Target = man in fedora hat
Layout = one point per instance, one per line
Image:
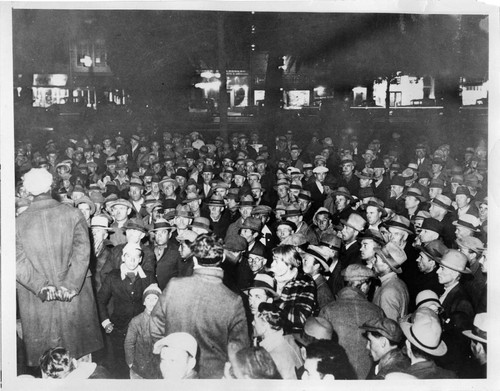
(193, 200)
(370, 240)
(245, 208)
(262, 290)
(478, 344)
(380, 182)
(135, 232)
(349, 311)
(315, 262)
(414, 200)
(374, 210)
(166, 252)
(396, 201)
(219, 217)
(294, 214)
(343, 201)
(392, 294)
(120, 210)
(384, 346)
(424, 344)
(441, 209)
(476, 286)
(316, 187)
(350, 250)
(101, 248)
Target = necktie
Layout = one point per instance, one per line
(131, 275)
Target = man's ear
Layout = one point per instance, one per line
(303, 353)
(129, 210)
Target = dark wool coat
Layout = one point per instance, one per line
(53, 248)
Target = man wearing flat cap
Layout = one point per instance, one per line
(349, 311)
(384, 345)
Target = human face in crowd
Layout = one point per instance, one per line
(257, 193)
(397, 236)
(462, 232)
(155, 187)
(379, 266)
(158, 212)
(255, 297)
(120, 212)
(246, 211)
(283, 232)
(252, 179)
(168, 189)
(436, 211)
(260, 326)
(155, 146)
(227, 177)
(294, 194)
(106, 143)
(367, 249)
(232, 203)
(347, 169)
(436, 168)
(189, 162)
(175, 363)
(320, 176)
(247, 234)
(150, 302)
(181, 181)
(341, 202)
(256, 263)
(373, 215)
(411, 202)
(347, 233)
(425, 264)
(184, 249)
(215, 211)
(169, 165)
(420, 153)
(294, 153)
(483, 261)
(250, 167)
(122, 172)
(424, 181)
(282, 191)
(378, 172)
(181, 222)
(396, 191)
(453, 187)
(310, 265)
(162, 236)
(240, 165)
(303, 204)
(239, 180)
(427, 236)
(85, 209)
(364, 182)
(261, 167)
(207, 177)
(135, 193)
(447, 276)
(462, 200)
(323, 221)
(132, 259)
(98, 236)
(483, 212)
(375, 346)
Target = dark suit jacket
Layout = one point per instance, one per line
(127, 297)
(317, 197)
(349, 256)
(167, 265)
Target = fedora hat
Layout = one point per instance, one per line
(317, 327)
(468, 221)
(398, 180)
(400, 222)
(366, 173)
(377, 203)
(455, 260)
(247, 200)
(372, 234)
(136, 182)
(135, 223)
(161, 224)
(331, 241)
(415, 192)
(355, 221)
(201, 222)
(282, 182)
(319, 254)
(425, 332)
(366, 192)
(442, 201)
(320, 169)
(479, 328)
(252, 223)
(292, 210)
(120, 201)
(435, 249)
(426, 298)
(191, 196)
(183, 211)
(262, 210)
(343, 191)
(392, 255)
(305, 195)
(471, 243)
(263, 281)
(216, 200)
(100, 222)
(167, 179)
(431, 224)
(387, 327)
(188, 235)
(286, 222)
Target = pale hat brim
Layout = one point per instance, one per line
(438, 351)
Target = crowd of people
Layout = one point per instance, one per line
(178, 258)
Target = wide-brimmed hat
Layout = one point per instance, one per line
(247, 200)
(201, 222)
(442, 201)
(317, 327)
(264, 281)
(343, 191)
(135, 223)
(366, 173)
(120, 201)
(425, 332)
(319, 254)
(166, 179)
(435, 249)
(377, 203)
(305, 195)
(216, 200)
(392, 255)
(281, 182)
(331, 241)
(355, 221)
(386, 327)
(188, 235)
(291, 224)
(100, 222)
(161, 224)
(400, 222)
(372, 234)
(86, 200)
(468, 221)
(136, 182)
(262, 210)
(471, 243)
(292, 210)
(426, 298)
(320, 169)
(431, 224)
(179, 340)
(455, 260)
(479, 328)
(252, 223)
(398, 180)
(414, 192)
